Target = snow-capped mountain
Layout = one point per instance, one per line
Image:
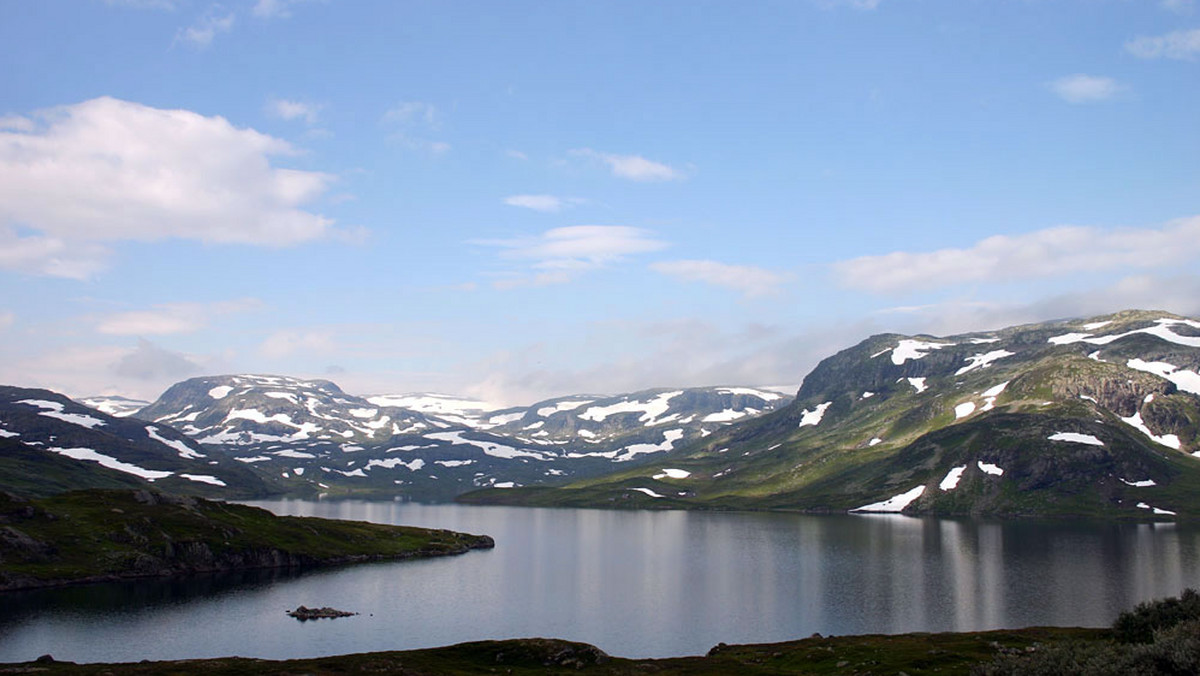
(41, 428)
(116, 406)
(1097, 416)
(312, 435)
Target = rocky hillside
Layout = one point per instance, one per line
(315, 438)
(1089, 417)
(50, 443)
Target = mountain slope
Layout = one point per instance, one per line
(52, 443)
(1082, 417)
(313, 437)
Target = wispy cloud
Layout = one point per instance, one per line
(1044, 253)
(632, 167)
(559, 255)
(285, 109)
(412, 121)
(287, 343)
(546, 203)
(1081, 88)
(172, 318)
(211, 24)
(1182, 45)
(748, 279)
(109, 170)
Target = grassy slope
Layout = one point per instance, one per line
(90, 535)
(913, 654)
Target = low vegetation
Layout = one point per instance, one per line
(96, 535)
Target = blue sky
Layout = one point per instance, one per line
(520, 200)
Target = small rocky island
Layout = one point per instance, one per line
(304, 613)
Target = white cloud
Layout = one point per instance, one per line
(202, 33)
(275, 9)
(152, 363)
(107, 170)
(287, 343)
(1081, 88)
(1183, 45)
(1043, 253)
(546, 203)
(171, 318)
(1178, 6)
(15, 123)
(633, 167)
(750, 280)
(291, 110)
(412, 113)
(516, 154)
(579, 246)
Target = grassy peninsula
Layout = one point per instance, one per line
(104, 535)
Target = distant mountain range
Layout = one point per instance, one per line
(1095, 417)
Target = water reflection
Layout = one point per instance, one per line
(634, 583)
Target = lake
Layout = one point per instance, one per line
(634, 583)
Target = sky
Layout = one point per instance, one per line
(518, 200)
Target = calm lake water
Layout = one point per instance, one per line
(636, 584)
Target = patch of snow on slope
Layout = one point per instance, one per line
(875, 442)
(918, 384)
(454, 463)
(205, 479)
(761, 394)
(220, 391)
(1188, 381)
(963, 410)
(649, 492)
(650, 410)
(668, 443)
(914, 349)
(1096, 325)
(673, 474)
(813, 417)
(1168, 440)
(297, 455)
(727, 415)
(989, 396)
(179, 447)
(5, 434)
(984, 341)
(253, 459)
(287, 396)
(489, 448)
(1145, 483)
(391, 463)
(1076, 437)
(364, 413)
(547, 411)
(989, 468)
(1161, 329)
(110, 462)
(893, 504)
(1142, 505)
(952, 477)
(53, 409)
(982, 361)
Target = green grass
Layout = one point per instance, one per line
(101, 534)
(914, 654)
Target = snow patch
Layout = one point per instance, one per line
(952, 477)
(1076, 437)
(673, 474)
(220, 391)
(650, 410)
(391, 463)
(918, 384)
(1188, 381)
(895, 503)
(488, 447)
(989, 468)
(963, 410)
(212, 480)
(875, 442)
(914, 349)
(649, 492)
(179, 447)
(982, 361)
(813, 417)
(1165, 512)
(547, 411)
(54, 409)
(1168, 440)
(1144, 483)
(110, 462)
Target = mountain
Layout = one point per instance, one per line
(313, 437)
(1096, 417)
(50, 443)
(119, 407)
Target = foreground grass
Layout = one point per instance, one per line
(95, 535)
(913, 654)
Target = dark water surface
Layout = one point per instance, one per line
(636, 584)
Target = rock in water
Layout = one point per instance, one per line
(303, 613)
